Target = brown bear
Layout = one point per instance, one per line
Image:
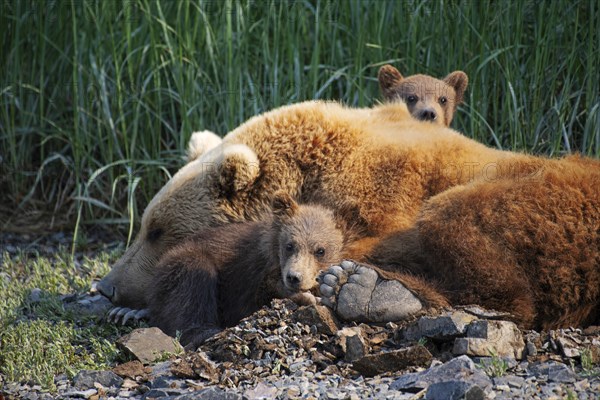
(398, 171)
(427, 98)
(225, 273)
(525, 245)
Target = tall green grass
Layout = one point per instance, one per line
(98, 98)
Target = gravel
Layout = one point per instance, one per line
(275, 354)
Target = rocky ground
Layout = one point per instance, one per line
(286, 351)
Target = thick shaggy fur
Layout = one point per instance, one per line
(526, 245)
(438, 207)
(226, 273)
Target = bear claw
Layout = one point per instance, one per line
(357, 293)
(126, 314)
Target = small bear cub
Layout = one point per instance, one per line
(226, 273)
(427, 98)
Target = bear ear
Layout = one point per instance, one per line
(284, 206)
(237, 168)
(459, 81)
(200, 143)
(389, 77)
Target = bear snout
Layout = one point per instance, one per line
(293, 280)
(427, 114)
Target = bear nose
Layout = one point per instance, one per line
(106, 289)
(427, 115)
(294, 279)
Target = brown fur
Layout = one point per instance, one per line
(427, 98)
(481, 219)
(225, 273)
(526, 245)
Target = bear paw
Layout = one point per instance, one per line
(357, 293)
(127, 313)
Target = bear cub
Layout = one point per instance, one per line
(427, 98)
(226, 273)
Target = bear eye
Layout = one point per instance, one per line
(155, 234)
(290, 247)
(320, 252)
(443, 100)
(411, 99)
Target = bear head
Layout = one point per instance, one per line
(427, 98)
(309, 238)
(203, 193)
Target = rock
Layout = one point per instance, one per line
(320, 316)
(86, 394)
(36, 295)
(90, 305)
(482, 313)
(553, 371)
(260, 392)
(133, 369)
(568, 347)
(210, 394)
(510, 380)
(155, 394)
(375, 364)
(451, 390)
(86, 379)
(196, 365)
(460, 368)
(487, 338)
(148, 344)
(353, 343)
(446, 326)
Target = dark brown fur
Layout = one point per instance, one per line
(226, 273)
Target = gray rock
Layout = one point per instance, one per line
(531, 349)
(460, 368)
(451, 390)
(85, 379)
(446, 326)
(94, 305)
(568, 347)
(85, 394)
(260, 392)
(554, 372)
(148, 344)
(510, 380)
(353, 343)
(210, 394)
(155, 393)
(375, 364)
(36, 295)
(486, 338)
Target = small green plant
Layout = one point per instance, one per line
(422, 341)
(571, 394)
(495, 366)
(587, 363)
(586, 360)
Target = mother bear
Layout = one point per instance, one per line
(444, 213)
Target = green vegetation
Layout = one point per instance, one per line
(494, 366)
(98, 98)
(39, 338)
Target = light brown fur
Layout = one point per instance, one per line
(427, 98)
(454, 199)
